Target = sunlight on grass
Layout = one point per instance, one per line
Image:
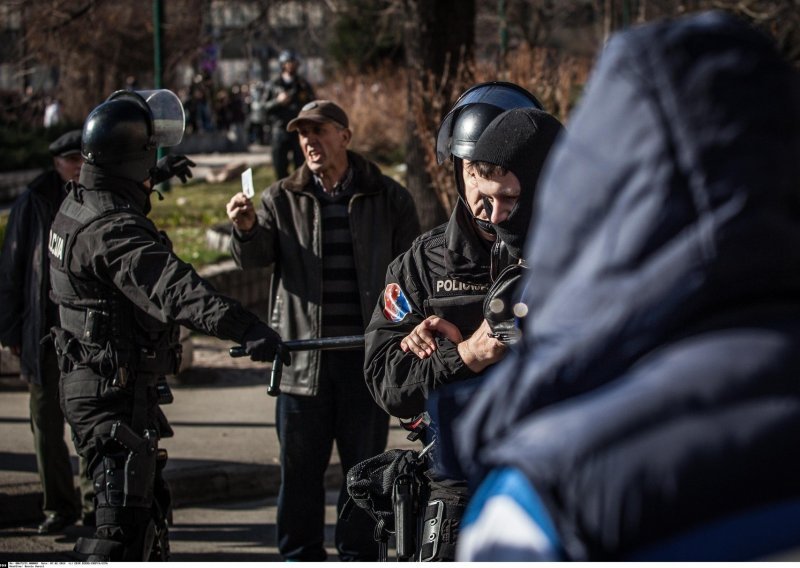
(187, 211)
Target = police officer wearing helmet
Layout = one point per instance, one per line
(285, 96)
(434, 298)
(121, 293)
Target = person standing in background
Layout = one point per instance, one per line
(285, 96)
(27, 316)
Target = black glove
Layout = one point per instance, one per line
(261, 342)
(170, 166)
(498, 304)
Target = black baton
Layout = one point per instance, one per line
(323, 343)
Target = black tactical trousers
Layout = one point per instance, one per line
(111, 424)
(441, 519)
(285, 143)
(128, 529)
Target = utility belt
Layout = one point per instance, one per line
(123, 367)
(84, 330)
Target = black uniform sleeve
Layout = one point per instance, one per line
(401, 382)
(15, 256)
(130, 255)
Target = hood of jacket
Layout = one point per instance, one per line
(95, 179)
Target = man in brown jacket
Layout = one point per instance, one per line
(330, 230)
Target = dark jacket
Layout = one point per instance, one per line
(656, 386)
(24, 276)
(383, 223)
(120, 253)
(300, 93)
(446, 272)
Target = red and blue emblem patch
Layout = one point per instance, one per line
(395, 304)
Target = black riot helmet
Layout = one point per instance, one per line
(473, 111)
(460, 129)
(122, 135)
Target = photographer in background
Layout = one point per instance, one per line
(285, 96)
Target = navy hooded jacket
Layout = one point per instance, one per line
(657, 385)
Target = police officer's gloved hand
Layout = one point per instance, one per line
(261, 342)
(171, 166)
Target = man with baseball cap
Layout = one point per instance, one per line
(27, 316)
(330, 230)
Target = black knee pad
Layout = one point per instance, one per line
(109, 480)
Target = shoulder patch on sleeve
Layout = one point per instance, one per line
(395, 304)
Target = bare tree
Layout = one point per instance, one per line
(438, 39)
(95, 45)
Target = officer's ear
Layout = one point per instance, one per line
(346, 135)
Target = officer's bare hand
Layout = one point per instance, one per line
(422, 339)
(241, 212)
(481, 350)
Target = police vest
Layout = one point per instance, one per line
(100, 327)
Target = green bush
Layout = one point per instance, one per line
(26, 149)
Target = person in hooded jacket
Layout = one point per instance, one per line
(445, 276)
(655, 387)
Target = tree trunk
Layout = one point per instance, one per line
(438, 38)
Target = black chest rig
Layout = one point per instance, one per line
(101, 328)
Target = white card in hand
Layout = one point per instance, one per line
(247, 183)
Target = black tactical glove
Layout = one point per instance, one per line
(171, 166)
(498, 305)
(261, 342)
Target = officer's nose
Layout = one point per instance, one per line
(499, 214)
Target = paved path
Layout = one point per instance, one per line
(225, 447)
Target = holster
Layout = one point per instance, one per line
(140, 463)
(405, 516)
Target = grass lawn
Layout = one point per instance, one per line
(187, 211)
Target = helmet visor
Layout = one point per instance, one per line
(502, 95)
(168, 116)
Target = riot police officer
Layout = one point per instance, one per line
(121, 294)
(440, 284)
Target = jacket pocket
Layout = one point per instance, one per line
(88, 401)
(466, 312)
